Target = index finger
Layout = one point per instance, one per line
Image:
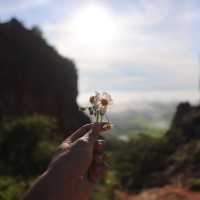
(95, 127)
(80, 132)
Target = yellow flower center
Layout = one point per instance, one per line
(104, 102)
(107, 126)
(92, 98)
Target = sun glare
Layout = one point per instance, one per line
(93, 26)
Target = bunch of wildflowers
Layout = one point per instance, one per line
(99, 104)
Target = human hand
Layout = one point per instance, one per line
(76, 167)
(74, 170)
(79, 163)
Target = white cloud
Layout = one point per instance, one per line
(153, 50)
(152, 37)
(108, 82)
(20, 5)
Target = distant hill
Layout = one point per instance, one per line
(185, 123)
(151, 118)
(145, 162)
(34, 78)
(183, 138)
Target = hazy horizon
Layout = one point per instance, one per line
(136, 100)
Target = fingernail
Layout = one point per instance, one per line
(99, 170)
(99, 159)
(107, 126)
(107, 157)
(100, 144)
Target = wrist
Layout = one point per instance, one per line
(69, 186)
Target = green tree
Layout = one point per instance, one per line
(26, 145)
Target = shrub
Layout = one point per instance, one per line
(11, 188)
(26, 145)
(139, 163)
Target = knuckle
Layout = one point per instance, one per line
(83, 146)
(82, 142)
(86, 126)
(63, 147)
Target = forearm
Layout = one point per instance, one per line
(49, 186)
(67, 175)
(41, 189)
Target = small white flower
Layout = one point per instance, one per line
(103, 110)
(100, 103)
(106, 99)
(95, 100)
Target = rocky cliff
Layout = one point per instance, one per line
(34, 78)
(185, 124)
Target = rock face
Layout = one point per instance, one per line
(34, 78)
(165, 193)
(185, 123)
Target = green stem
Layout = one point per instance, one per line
(97, 117)
(101, 118)
(107, 118)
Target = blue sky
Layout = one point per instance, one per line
(136, 47)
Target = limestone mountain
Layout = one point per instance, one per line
(185, 124)
(34, 78)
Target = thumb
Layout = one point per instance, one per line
(92, 135)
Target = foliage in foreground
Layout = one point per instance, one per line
(12, 188)
(27, 145)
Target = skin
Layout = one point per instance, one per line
(75, 169)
